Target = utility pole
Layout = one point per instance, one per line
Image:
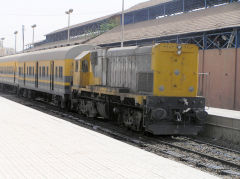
(15, 33)
(33, 26)
(122, 39)
(23, 28)
(2, 39)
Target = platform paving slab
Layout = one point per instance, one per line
(37, 145)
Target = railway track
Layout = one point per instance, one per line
(205, 156)
(213, 159)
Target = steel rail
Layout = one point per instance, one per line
(198, 153)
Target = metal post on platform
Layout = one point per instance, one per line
(204, 41)
(237, 38)
(183, 5)
(164, 10)
(122, 38)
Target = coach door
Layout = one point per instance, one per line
(24, 73)
(14, 72)
(52, 75)
(36, 75)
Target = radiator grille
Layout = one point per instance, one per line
(145, 82)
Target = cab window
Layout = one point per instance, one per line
(84, 66)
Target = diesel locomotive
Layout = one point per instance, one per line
(150, 88)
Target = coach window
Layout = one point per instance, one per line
(56, 72)
(43, 71)
(61, 72)
(40, 71)
(33, 71)
(47, 71)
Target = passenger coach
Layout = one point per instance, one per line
(42, 73)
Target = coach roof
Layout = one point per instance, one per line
(69, 52)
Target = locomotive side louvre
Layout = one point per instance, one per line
(125, 66)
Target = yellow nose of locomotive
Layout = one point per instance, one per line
(175, 70)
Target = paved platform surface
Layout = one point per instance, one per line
(37, 145)
(223, 124)
(224, 113)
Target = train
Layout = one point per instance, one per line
(150, 89)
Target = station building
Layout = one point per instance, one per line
(213, 25)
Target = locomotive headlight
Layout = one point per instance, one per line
(179, 47)
(179, 52)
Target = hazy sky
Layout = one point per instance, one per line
(49, 15)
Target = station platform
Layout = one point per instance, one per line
(223, 124)
(224, 113)
(36, 145)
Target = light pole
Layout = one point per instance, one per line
(2, 39)
(23, 29)
(33, 26)
(15, 33)
(122, 38)
(68, 13)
